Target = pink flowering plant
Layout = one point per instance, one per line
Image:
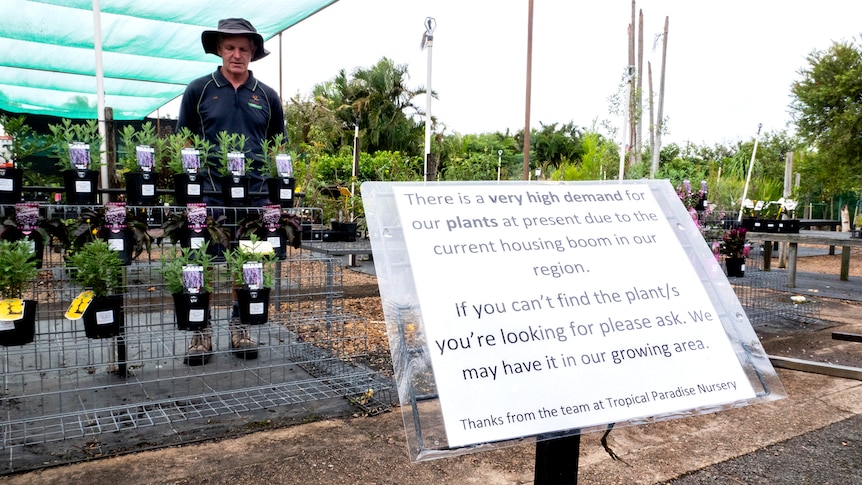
(733, 243)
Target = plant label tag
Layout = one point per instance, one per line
(196, 315)
(105, 317)
(196, 242)
(6, 325)
(83, 186)
(79, 305)
(116, 244)
(148, 190)
(275, 242)
(255, 308)
(193, 189)
(285, 194)
(11, 309)
(6, 185)
(237, 192)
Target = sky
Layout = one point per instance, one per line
(730, 64)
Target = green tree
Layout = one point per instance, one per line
(827, 108)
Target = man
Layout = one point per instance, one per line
(231, 99)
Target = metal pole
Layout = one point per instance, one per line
(750, 169)
(499, 163)
(100, 92)
(430, 25)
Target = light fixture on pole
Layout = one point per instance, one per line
(428, 41)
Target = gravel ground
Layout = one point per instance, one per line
(828, 456)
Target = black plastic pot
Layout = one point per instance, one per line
(188, 188)
(104, 317)
(123, 241)
(141, 188)
(277, 239)
(281, 190)
(192, 311)
(24, 330)
(234, 190)
(81, 186)
(11, 183)
(253, 305)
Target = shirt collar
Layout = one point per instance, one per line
(220, 80)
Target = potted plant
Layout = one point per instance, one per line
(232, 169)
(761, 216)
(113, 223)
(273, 225)
(280, 184)
(188, 154)
(24, 143)
(193, 227)
(188, 278)
(735, 250)
(140, 162)
(17, 316)
(98, 268)
(251, 266)
(78, 150)
(26, 223)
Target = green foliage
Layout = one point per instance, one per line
(98, 267)
(185, 139)
(827, 107)
(172, 267)
(66, 132)
(227, 143)
(19, 268)
(271, 148)
(239, 256)
(130, 138)
(25, 141)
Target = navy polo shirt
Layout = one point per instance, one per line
(211, 105)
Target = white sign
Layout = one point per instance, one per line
(556, 307)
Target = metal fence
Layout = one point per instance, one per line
(64, 386)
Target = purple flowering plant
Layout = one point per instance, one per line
(733, 243)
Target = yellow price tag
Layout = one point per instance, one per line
(79, 305)
(11, 309)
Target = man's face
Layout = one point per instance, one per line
(236, 52)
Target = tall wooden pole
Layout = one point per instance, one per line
(659, 125)
(638, 115)
(526, 174)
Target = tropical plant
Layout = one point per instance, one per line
(254, 225)
(175, 228)
(19, 268)
(98, 267)
(90, 226)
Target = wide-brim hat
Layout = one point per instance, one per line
(209, 38)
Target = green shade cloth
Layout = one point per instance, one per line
(150, 50)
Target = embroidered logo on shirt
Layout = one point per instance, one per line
(254, 102)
